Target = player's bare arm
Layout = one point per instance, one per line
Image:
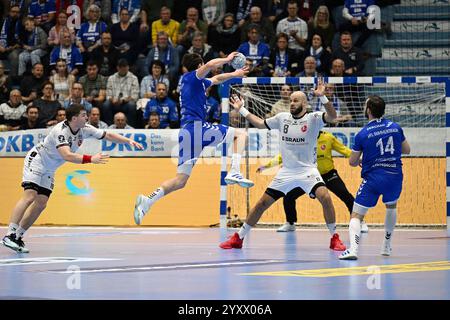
(121, 139)
(69, 156)
(330, 114)
(212, 64)
(220, 78)
(406, 149)
(354, 158)
(238, 105)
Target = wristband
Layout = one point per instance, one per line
(323, 99)
(244, 112)
(86, 158)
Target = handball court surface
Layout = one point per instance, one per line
(186, 263)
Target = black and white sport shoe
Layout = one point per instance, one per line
(21, 244)
(10, 241)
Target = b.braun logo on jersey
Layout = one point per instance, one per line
(289, 139)
(304, 128)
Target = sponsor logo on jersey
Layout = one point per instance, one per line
(323, 147)
(289, 139)
(304, 128)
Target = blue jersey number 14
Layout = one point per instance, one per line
(389, 146)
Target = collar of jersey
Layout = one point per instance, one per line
(67, 123)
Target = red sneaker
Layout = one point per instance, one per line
(336, 243)
(233, 242)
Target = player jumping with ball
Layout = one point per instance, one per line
(298, 141)
(195, 133)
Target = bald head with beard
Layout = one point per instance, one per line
(299, 103)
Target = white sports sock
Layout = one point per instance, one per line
(12, 228)
(244, 230)
(332, 228)
(20, 232)
(156, 195)
(236, 162)
(354, 229)
(389, 223)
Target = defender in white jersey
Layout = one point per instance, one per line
(298, 140)
(40, 165)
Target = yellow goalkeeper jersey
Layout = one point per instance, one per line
(326, 143)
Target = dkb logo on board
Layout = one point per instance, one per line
(80, 176)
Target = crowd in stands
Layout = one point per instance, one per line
(121, 58)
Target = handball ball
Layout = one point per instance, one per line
(238, 61)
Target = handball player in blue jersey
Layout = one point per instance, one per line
(196, 133)
(381, 143)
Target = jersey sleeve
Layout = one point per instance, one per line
(319, 118)
(207, 82)
(273, 122)
(402, 134)
(59, 139)
(90, 131)
(357, 145)
(339, 147)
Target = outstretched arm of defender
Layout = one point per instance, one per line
(68, 155)
(238, 105)
(330, 114)
(212, 64)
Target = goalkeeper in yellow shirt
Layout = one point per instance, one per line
(326, 142)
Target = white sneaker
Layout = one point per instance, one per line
(236, 177)
(141, 208)
(364, 227)
(386, 250)
(348, 255)
(287, 227)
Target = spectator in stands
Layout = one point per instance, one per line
(283, 61)
(153, 121)
(120, 122)
(256, 50)
(242, 11)
(267, 34)
(5, 83)
(124, 37)
(43, 13)
(337, 68)
(94, 85)
(9, 39)
(165, 53)
(106, 56)
(323, 26)
(213, 11)
(203, 49)
(94, 119)
(356, 13)
(164, 106)
(88, 37)
(133, 7)
(284, 103)
(122, 92)
(33, 41)
(69, 52)
(296, 28)
(54, 35)
(351, 56)
(166, 24)
(213, 108)
(77, 96)
(310, 68)
(62, 81)
(157, 75)
(322, 56)
(253, 70)
(30, 120)
(31, 86)
(105, 6)
(60, 115)
(151, 11)
(187, 29)
(48, 105)
(225, 38)
(12, 111)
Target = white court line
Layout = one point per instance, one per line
(47, 260)
(173, 267)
